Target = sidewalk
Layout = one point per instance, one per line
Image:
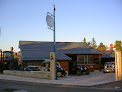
(95, 78)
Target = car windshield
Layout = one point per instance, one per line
(8, 55)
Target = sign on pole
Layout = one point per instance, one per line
(50, 19)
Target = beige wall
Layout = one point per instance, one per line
(34, 74)
(118, 66)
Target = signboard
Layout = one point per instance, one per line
(50, 21)
(52, 57)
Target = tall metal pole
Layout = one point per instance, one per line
(55, 45)
(54, 30)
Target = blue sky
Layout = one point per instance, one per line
(75, 19)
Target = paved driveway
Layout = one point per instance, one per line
(94, 78)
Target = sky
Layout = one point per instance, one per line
(25, 20)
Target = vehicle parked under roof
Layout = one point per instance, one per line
(45, 66)
(109, 67)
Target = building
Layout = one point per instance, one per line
(67, 53)
(108, 56)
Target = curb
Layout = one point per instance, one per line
(63, 85)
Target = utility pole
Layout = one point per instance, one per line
(50, 19)
(54, 30)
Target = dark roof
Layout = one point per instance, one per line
(108, 54)
(36, 50)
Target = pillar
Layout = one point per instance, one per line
(52, 66)
(118, 66)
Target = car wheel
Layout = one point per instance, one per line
(87, 72)
(104, 72)
(59, 74)
(78, 72)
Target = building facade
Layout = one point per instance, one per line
(67, 54)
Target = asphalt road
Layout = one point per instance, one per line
(14, 86)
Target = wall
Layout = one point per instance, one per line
(97, 62)
(37, 63)
(64, 64)
(34, 74)
(33, 62)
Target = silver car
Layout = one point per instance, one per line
(109, 67)
(32, 68)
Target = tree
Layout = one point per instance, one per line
(89, 43)
(84, 40)
(93, 43)
(101, 47)
(107, 48)
(118, 45)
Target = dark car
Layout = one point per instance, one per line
(77, 69)
(45, 66)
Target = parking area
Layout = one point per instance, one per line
(94, 78)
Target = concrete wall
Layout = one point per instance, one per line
(34, 74)
(118, 66)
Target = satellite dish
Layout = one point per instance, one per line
(50, 21)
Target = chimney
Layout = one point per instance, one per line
(12, 48)
(111, 47)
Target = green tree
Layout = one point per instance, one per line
(101, 47)
(118, 45)
(84, 40)
(93, 43)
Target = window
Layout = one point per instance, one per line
(80, 59)
(91, 59)
(85, 59)
(96, 58)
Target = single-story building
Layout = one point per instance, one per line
(67, 53)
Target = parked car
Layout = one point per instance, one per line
(109, 67)
(32, 68)
(45, 66)
(77, 69)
